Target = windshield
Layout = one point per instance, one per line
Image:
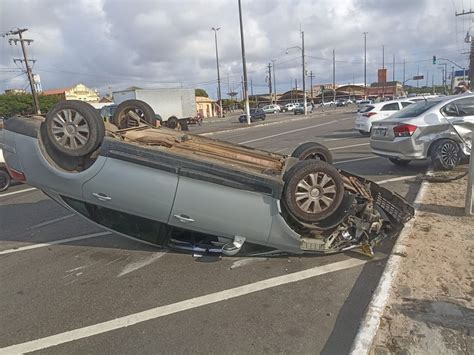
(366, 109)
(415, 109)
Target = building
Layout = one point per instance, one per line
(458, 77)
(15, 92)
(206, 106)
(77, 92)
(390, 89)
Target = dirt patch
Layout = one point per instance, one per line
(431, 306)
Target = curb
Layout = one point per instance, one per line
(370, 324)
(266, 124)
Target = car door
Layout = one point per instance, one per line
(221, 210)
(133, 188)
(462, 117)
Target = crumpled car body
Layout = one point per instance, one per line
(193, 193)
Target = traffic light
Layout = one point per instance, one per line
(434, 59)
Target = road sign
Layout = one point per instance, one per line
(418, 77)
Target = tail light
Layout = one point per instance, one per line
(404, 130)
(15, 174)
(368, 114)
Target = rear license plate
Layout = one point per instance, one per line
(381, 132)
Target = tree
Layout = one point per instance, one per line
(201, 92)
(22, 104)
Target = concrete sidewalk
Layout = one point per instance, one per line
(431, 307)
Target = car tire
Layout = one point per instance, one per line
(399, 162)
(183, 125)
(74, 128)
(172, 122)
(364, 133)
(4, 180)
(445, 154)
(263, 118)
(313, 191)
(122, 120)
(312, 150)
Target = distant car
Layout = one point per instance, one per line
(340, 103)
(362, 103)
(289, 107)
(439, 129)
(376, 112)
(255, 114)
(327, 103)
(300, 109)
(271, 108)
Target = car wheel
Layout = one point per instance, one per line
(313, 190)
(263, 118)
(312, 150)
(183, 125)
(4, 180)
(364, 133)
(172, 122)
(445, 155)
(123, 118)
(275, 111)
(74, 128)
(294, 112)
(400, 162)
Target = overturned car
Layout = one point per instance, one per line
(188, 192)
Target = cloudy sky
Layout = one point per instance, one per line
(113, 44)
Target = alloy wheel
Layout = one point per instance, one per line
(315, 192)
(70, 129)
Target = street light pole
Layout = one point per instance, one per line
(365, 64)
(244, 65)
(219, 96)
(274, 81)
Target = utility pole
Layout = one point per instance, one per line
(304, 73)
(383, 70)
(270, 81)
(219, 95)
(365, 64)
(418, 81)
(432, 83)
(296, 89)
(468, 39)
(311, 83)
(334, 75)
(393, 69)
(244, 65)
(427, 76)
(274, 81)
(19, 32)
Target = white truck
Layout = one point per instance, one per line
(174, 106)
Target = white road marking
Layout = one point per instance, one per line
(141, 263)
(288, 132)
(349, 146)
(60, 241)
(52, 221)
(18, 192)
(400, 178)
(173, 308)
(356, 159)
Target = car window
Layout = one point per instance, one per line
(415, 109)
(465, 106)
(366, 109)
(390, 107)
(128, 224)
(405, 103)
(450, 110)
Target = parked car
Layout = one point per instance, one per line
(289, 107)
(5, 177)
(363, 103)
(341, 102)
(376, 112)
(437, 129)
(271, 108)
(327, 104)
(156, 184)
(255, 114)
(299, 108)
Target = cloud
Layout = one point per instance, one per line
(105, 43)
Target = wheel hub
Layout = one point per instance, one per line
(315, 192)
(71, 129)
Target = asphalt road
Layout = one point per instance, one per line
(102, 293)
